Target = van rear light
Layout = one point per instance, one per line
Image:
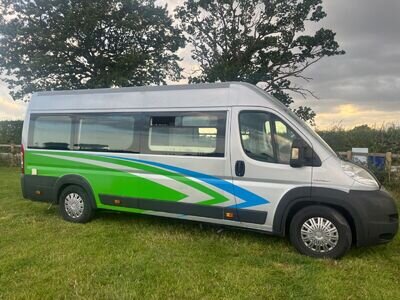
(22, 159)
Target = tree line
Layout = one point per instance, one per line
(75, 44)
(377, 140)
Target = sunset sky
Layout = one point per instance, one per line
(360, 87)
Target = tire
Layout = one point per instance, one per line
(321, 232)
(75, 205)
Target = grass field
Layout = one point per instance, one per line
(134, 256)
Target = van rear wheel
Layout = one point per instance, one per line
(75, 205)
(320, 232)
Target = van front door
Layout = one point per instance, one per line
(260, 152)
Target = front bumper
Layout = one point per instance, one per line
(378, 217)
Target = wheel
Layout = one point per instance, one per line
(75, 205)
(321, 232)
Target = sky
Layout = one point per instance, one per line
(360, 87)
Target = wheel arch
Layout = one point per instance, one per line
(78, 180)
(298, 198)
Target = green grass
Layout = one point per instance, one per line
(134, 256)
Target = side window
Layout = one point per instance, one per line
(50, 132)
(198, 134)
(106, 133)
(284, 137)
(267, 138)
(256, 135)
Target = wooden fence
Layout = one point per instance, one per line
(10, 155)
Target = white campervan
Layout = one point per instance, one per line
(224, 153)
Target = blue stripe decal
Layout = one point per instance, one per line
(250, 198)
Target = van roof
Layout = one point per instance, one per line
(224, 94)
(141, 89)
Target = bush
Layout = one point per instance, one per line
(381, 140)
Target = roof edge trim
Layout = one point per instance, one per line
(137, 89)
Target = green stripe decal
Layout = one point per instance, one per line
(111, 176)
(102, 179)
(215, 198)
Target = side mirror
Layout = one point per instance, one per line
(297, 153)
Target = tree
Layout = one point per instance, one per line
(10, 132)
(257, 41)
(75, 44)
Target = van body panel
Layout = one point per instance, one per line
(205, 186)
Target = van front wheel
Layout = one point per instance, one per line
(75, 205)
(321, 232)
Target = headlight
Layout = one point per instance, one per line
(359, 174)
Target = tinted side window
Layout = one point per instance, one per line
(102, 132)
(199, 134)
(50, 132)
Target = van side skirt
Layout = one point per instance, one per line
(207, 211)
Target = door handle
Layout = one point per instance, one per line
(240, 168)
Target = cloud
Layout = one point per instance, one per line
(368, 75)
(350, 115)
(171, 3)
(10, 109)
